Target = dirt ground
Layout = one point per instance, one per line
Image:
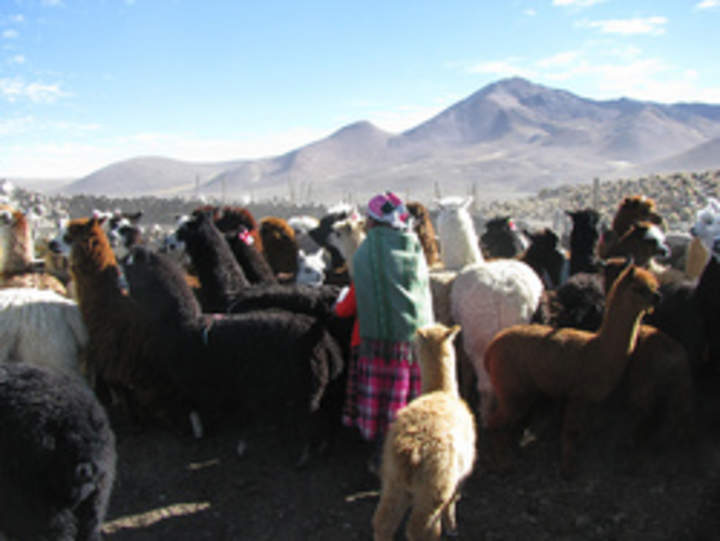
(170, 486)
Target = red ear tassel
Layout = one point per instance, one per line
(246, 237)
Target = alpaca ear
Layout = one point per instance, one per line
(629, 260)
(452, 332)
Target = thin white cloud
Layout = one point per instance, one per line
(17, 59)
(19, 18)
(577, 3)
(15, 126)
(52, 3)
(530, 12)
(23, 125)
(707, 4)
(559, 60)
(14, 89)
(10, 34)
(654, 26)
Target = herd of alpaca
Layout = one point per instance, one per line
(238, 323)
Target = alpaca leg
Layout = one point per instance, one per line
(575, 415)
(504, 415)
(394, 502)
(449, 520)
(426, 518)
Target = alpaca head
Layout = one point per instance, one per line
(16, 246)
(585, 229)
(707, 223)
(502, 238)
(424, 229)
(346, 235)
(311, 268)
(84, 239)
(636, 208)
(642, 241)
(435, 349)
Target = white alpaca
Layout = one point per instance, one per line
(429, 448)
(486, 298)
(302, 226)
(705, 229)
(41, 327)
(459, 243)
(311, 268)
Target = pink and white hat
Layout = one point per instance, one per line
(388, 208)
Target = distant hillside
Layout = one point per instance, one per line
(146, 176)
(510, 138)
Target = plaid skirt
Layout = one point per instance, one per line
(382, 378)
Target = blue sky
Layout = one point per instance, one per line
(84, 83)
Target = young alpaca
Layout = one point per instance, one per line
(57, 456)
(525, 361)
(17, 262)
(429, 448)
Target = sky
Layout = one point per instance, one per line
(85, 83)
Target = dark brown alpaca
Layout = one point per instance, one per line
(632, 209)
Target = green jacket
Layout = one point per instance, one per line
(391, 285)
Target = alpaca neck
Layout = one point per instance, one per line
(18, 254)
(618, 332)
(96, 275)
(440, 378)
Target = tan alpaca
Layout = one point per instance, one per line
(429, 448)
(18, 267)
(346, 235)
(525, 361)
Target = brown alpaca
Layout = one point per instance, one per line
(119, 355)
(279, 246)
(644, 241)
(17, 250)
(525, 361)
(429, 448)
(632, 209)
(425, 231)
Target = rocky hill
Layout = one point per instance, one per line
(510, 138)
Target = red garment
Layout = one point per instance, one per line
(347, 307)
(383, 378)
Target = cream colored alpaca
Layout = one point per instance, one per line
(429, 448)
(346, 235)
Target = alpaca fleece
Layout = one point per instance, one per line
(526, 360)
(429, 448)
(57, 456)
(43, 328)
(220, 275)
(268, 364)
